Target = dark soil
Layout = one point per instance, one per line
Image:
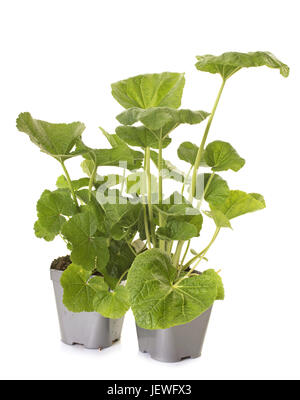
(61, 263)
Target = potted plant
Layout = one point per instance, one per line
(90, 294)
(170, 300)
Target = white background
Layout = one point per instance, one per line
(58, 59)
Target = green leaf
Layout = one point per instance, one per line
(121, 258)
(183, 221)
(43, 233)
(57, 140)
(115, 157)
(221, 156)
(89, 250)
(51, 209)
(62, 183)
(83, 293)
(78, 294)
(140, 137)
(217, 191)
(214, 188)
(160, 303)
(112, 139)
(161, 120)
(110, 304)
(150, 90)
(177, 230)
(239, 203)
(188, 151)
(220, 288)
(219, 218)
(229, 63)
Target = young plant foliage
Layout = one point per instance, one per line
(228, 64)
(150, 90)
(158, 301)
(101, 215)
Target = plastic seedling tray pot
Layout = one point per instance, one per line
(91, 330)
(177, 343)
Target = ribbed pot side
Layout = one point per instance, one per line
(91, 330)
(177, 343)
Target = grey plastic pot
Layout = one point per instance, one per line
(177, 343)
(91, 330)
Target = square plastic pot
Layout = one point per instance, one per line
(177, 343)
(91, 330)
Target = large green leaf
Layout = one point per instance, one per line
(221, 156)
(187, 152)
(116, 157)
(161, 120)
(214, 188)
(220, 288)
(58, 140)
(124, 213)
(43, 233)
(83, 293)
(121, 258)
(229, 63)
(51, 209)
(121, 216)
(89, 250)
(110, 304)
(177, 230)
(239, 203)
(150, 90)
(157, 301)
(78, 294)
(140, 136)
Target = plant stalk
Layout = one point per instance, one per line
(92, 180)
(186, 180)
(148, 236)
(202, 145)
(176, 258)
(162, 245)
(203, 252)
(69, 183)
(150, 208)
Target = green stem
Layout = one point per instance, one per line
(186, 252)
(162, 245)
(201, 258)
(203, 252)
(170, 247)
(206, 189)
(176, 258)
(202, 145)
(186, 180)
(150, 208)
(92, 180)
(131, 249)
(123, 181)
(148, 236)
(208, 184)
(69, 183)
(122, 276)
